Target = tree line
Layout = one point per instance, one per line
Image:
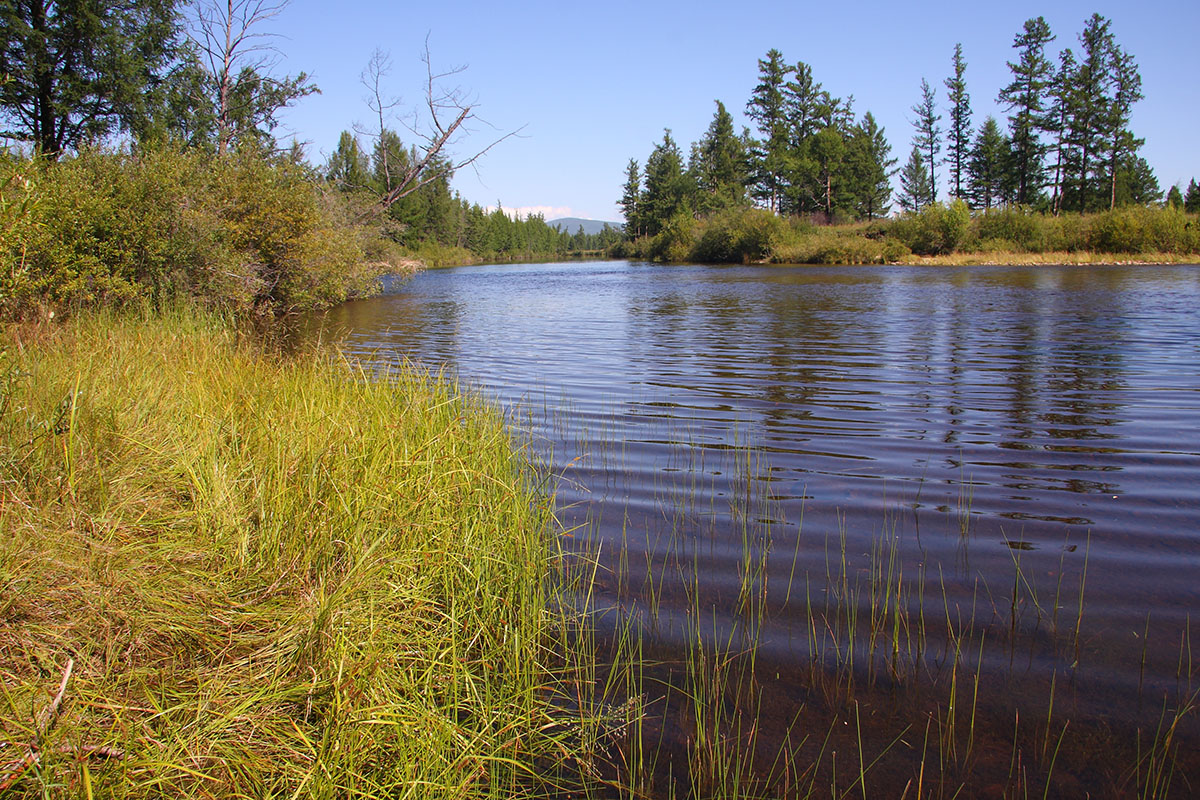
(435, 215)
(146, 166)
(812, 156)
(1068, 145)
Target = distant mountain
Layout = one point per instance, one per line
(571, 225)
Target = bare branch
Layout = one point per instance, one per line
(230, 41)
(449, 111)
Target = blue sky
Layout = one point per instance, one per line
(592, 85)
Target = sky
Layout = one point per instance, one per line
(587, 86)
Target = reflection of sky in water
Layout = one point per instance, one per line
(1048, 405)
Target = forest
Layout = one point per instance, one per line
(813, 161)
(142, 165)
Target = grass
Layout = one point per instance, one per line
(224, 573)
(901, 680)
(271, 577)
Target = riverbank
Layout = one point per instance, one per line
(938, 234)
(1049, 259)
(227, 574)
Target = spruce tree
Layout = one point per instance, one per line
(721, 163)
(75, 71)
(1191, 200)
(986, 166)
(630, 197)
(666, 186)
(958, 137)
(766, 108)
(1025, 98)
(348, 167)
(928, 135)
(1175, 198)
(915, 192)
(871, 167)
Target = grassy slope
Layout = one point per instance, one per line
(273, 580)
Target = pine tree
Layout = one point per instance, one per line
(958, 137)
(986, 166)
(915, 191)
(1088, 101)
(766, 108)
(1127, 90)
(1058, 122)
(871, 167)
(1025, 98)
(928, 135)
(1191, 200)
(74, 71)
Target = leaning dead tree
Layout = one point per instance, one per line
(445, 122)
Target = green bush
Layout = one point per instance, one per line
(737, 236)
(674, 242)
(1022, 230)
(241, 233)
(935, 229)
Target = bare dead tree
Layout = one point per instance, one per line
(379, 65)
(446, 120)
(239, 57)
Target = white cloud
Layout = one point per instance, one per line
(549, 212)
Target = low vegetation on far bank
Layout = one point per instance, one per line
(938, 234)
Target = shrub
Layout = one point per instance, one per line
(1014, 225)
(935, 229)
(242, 233)
(737, 236)
(675, 241)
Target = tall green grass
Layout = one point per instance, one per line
(272, 578)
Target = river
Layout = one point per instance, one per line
(1001, 461)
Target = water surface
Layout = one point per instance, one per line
(1015, 436)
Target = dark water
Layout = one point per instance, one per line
(759, 447)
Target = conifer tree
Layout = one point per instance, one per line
(1127, 90)
(1191, 200)
(721, 163)
(1088, 110)
(1025, 98)
(348, 167)
(766, 108)
(666, 188)
(987, 167)
(630, 196)
(1175, 198)
(958, 137)
(74, 71)
(1059, 120)
(915, 192)
(928, 136)
(871, 167)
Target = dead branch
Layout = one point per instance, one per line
(11, 772)
(449, 111)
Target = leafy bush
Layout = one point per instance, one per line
(737, 236)
(243, 233)
(935, 229)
